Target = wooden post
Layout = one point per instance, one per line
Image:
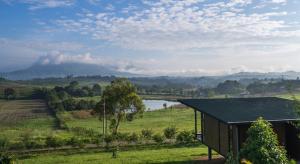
(104, 122)
(209, 153)
(196, 123)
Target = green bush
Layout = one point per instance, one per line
(6, 158)
(185, 137)
(122, 136)
(158, 138)
(54, 141)
(147, 133)
(262, 145)
(31, 142)
(109, 139)
(76, 142)
(4, 144)
(134, 137)
(170, 132)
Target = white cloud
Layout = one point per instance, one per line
(40, 4)
(182, 25)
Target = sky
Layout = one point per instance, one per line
(153, 37)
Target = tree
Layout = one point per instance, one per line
(121, 103)
(10, 93)
(97, 89)
(262, 146)
(230, 87)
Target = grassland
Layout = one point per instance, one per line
(147, 155)
(182, 119)
(19, 116)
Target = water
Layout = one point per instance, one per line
(158, 104)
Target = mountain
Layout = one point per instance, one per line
(63, 70)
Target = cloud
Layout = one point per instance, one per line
(56, 57)
(41, 4)
(181, 25)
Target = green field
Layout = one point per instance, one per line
(20, 116)
(182, 119)
(147, 155)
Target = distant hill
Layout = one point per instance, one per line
(62, 70)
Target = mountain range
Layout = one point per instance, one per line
(83, 69)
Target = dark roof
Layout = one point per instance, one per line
(244, 110)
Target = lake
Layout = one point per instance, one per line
(158, 104)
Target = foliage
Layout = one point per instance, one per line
(158, 138)
(170, 132)
(121, 102)
(6, 158)
(185, 137)
(230, 159)
(4, 144)
(10, 93)
(229, 87)
(134, 137)
(54, 141)
(147, 133)
(262, 146)
(76, 142)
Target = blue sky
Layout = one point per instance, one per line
(155, 37)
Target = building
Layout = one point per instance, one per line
(224, 122)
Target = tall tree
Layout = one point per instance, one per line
(121, 103)
(262, 146)
(97, 89)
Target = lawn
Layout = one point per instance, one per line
(147, 155)
(182, 119)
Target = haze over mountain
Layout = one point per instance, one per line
(63, 70)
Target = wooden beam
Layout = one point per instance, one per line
(209, 153)
(202, 127)
(196, 123)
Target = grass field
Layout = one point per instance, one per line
(147, 155)
(19, 116)
(182, 119)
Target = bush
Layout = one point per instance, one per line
(122, 136)
(158, 138)
(30, 142)
(147, 133)
(170, 132)
(109, 139)
(76, 142)
(6, 158)
(4, 144)
(54, 141)
(185, 137)
(133, 137)
(262, 145)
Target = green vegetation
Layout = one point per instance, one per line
(158, 120)
(145, 155)
(262, 145)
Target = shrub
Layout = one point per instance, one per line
(4, 144)
(109, 139)
(30, 142)
(170, 132)
(6, 158)
(230, 159)
(158, 138)
(147, 133)
(262, 145)
(54, 141)
(185, 137)
(76, 142)
(133, 137)
(122, 136)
